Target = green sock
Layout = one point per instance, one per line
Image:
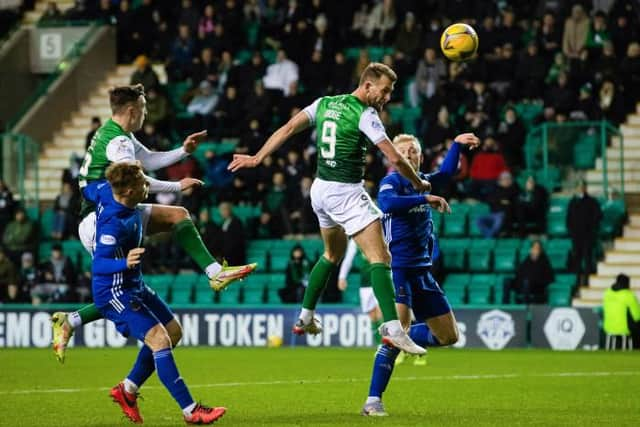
(383, 289)
(89, 313)
(318, 279)
(189, 239)
(375, 324)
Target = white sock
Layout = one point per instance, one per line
(189, 409)
(129, 386)
(372, 399)
(213, 269)
(394, 327)
(74, 319)
(306, 315)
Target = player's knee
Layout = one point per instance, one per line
(158, 338)
(450, 337)
(176, 336)
(332, 257)
(180, 214)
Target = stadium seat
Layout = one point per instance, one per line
(455, 224)
(252, 296)
(279, 262)
(613, 213)
(181, 295)
(558, 251)
(556, 225)
(259, 256)
(352, 294)
(273, 297)
(505, 255)
(480, 288)
(437, 221)
(46, 223)
(476, 210)
(456, 296)
(313, 248)
(480, 253)
(499, 296)
(256, 281)
(161, 283)
(566, 279)
(559, 295)
(454, 253)
(456, 280)
(44, 250)
(229, 295)
(261, 244)
(204, 295)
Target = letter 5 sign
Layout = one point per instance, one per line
(50, 45)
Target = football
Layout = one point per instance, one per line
(459, 42)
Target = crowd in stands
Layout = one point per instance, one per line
(247, 66)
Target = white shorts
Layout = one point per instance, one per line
(368, 299)
(87, 227)
(343, 204)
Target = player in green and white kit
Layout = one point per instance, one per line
(344, 124)
(114, 142)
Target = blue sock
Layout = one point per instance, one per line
(421, 335)
(143, 368)
(170, 377)
(382, 370)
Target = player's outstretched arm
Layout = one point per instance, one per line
(400, 164)
(391, 201)
(296, 124)
(450, 163)
(154, 160)
(438, 203)
(160, 186)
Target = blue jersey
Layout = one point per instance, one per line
(407, 221)
(118, 230)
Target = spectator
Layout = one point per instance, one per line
(57, 278)
(486, 167)
(533, 276)
(502, 202)
(531, 208)
(512, 135)
(530, 73)
(339, 75)
(586, 108)
(238, 193)
(210, 232)
(248, 75)
(509, 31)
(157, 109)
(205, 69)
(152, 139)
(322, 41)
(144, 74)
(105, 12)
(503, 71)
(559, 65)
(28, 278)
(220, 40)
(380, 23)
(280, 75)
(233, 239)
(359, 24)
(275, 202)
(188, 16)
(630, 75)
(620, 310)
(126, 35)
(622, 35)
(227, 113)
(19, 236)
(610, 103)
(315, 75)
(407, 43)
(252, 139)
(576, 28)
(560, 97)
(202, 105)
(77, 12)
(303, 220)
(180, 55)
(7, 206)
(216, 172)
(607, 65)
(431, 70)
(231, 17)
(95, 125)
(161, 43)
(297, 276)
(51, 14)
(8, 279)
(66, 205)
(489, 36)
(583, 224)
(208, 22)
(598, 33)
(361, 64)
(549, 38)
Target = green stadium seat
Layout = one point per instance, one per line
(273, 297)
(613, 213)
(46, 223)
(279, 262)
(181, 295)
(457, 280)
(312, 247)
(455, 224)
(259, 256)
(352, 53)
(262, 244)
(480, 253)
(480, 288)
(559, 295)
(396, 112)
(558, 251)
(257, 281)
(352, 294)
(565, 279)
(505, 255)
(252, 296)
(454, 253)
(456, 297)
(230, 295)
(44, 250)
(161, 283)
(204, 295)
(476, 210)
(551, 180)
(499, 290)
(376, 53)
(277, 280)
(243, 56)
(437, 221)
(556, 225)
(269, 55)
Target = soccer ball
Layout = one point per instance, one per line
(274, 341)
(459, 42)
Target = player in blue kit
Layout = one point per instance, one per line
(408, 230)
(121, 295)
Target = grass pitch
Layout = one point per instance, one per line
(309, 387)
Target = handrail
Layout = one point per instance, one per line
(75, 52)
(27, 151)
(604, 126)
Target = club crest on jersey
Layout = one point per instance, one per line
(107, 239)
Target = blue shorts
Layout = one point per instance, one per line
(136, 312)
(417, 289)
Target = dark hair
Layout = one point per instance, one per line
(121, 96)
(56, 247)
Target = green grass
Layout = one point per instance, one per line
(301, 386)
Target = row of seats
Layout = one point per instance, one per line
(482, 289)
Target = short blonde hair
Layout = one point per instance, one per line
(375, 70)
(405, 137)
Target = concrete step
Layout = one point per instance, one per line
(629, 164)
(55, 152)
(634, 220)
(626, 244)
(93, 110)
(628, 131)
(596, 188)
(633, 119)
(631, 232)
(71, 131)
(627, 152)
(59, 163)
(619, 256)
(612, 269)
(596, 294)
(585, 303)
(118, 80)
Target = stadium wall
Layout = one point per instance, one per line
(72, 88)
(17, 81)
(494, 328)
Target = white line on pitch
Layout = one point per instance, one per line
(345, 380)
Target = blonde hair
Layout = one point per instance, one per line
(405, 137)
(375, 70)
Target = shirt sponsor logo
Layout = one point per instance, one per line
(376, 125)
(107, 239)
(385, 187)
